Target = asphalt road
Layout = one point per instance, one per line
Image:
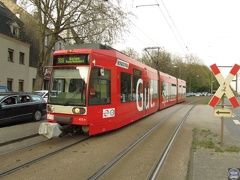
(233, 124)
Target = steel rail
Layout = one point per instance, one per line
(101, 171)
(18, 149)
(41, 158)
(166, 151)
(19, 139)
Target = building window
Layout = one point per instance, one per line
(15, 31)
(21, 58)
(10, 55)
(10, 84)
(20, 85)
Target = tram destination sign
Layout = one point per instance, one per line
(70, 59)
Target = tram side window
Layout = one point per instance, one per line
(99, 89)
(154, 88)
(165, 90)
(173, 92)
(126, 87)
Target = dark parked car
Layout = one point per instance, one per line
(15, 107)
(43, 93)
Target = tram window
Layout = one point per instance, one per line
(58, 85)
(173, 91)
(76, 85)
(154, 88)
(165, 91)
(99, 88)
(126, 87)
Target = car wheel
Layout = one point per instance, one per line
(37, 116)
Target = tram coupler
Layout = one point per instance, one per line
(50, 130)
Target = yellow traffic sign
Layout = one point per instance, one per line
(223, 112)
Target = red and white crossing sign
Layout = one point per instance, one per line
(224, 87)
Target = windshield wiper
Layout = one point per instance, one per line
(70, 99)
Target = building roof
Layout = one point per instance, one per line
(8, 19)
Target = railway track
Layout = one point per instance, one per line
(160, 163)
(48, 151)
(18, 139)
(20, 143)
(111, 170)
(107, 156)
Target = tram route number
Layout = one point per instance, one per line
(70, 59)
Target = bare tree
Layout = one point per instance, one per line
(158, 59)
(131, 53)
(88, 21)
(192, 59)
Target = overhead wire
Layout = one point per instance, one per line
(171, 25)
(144, 33)
(138, 38)
(140, 29)
(170, 17)
(135, 26)
(178, 38)
(179, 43)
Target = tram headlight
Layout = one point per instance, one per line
(77, 110)
(50, 108)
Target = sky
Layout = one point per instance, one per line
(207, 29)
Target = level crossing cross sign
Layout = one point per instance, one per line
(224, 87)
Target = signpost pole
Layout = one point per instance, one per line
(224, 89)
(222, 123)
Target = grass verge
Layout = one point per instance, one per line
(208, 139)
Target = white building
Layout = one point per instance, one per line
(14, 51)
(20, 70)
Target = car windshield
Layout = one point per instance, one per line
(41, 93)
(68, 86)
(3, 89)
(37, 98)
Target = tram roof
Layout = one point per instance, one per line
(90, 45)
(98, 47)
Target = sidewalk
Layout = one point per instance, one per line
(13, 132)
(206, 163)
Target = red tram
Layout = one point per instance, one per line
(96, 90)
